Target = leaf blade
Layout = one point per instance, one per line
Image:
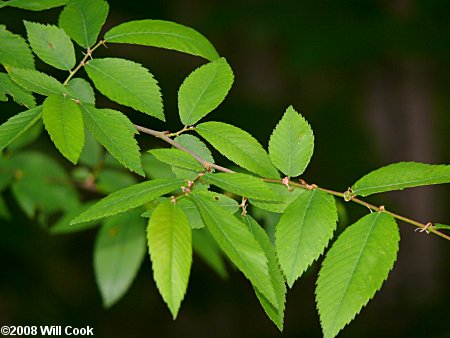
(238, 243)
(129, 198)
(83, 19)
(14, 50)
(118, 253)
(170, 245)
(163, 34)
(63, 121)
(238, 146)
(303, 232)
(51, 44)
(36, 82)
(121, 144)
(34, 5)
(203, 90)
(17, 125)
(354, 269)
(128, 83)
(398, 176)
(19, 94)
(291, 144)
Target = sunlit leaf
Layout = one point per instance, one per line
(354, 270)
(291, 144)
(203, 90)
(83, 19)
(19, 94)
(303, 232)
(163, 34)
(34, 5)
(170, 246)
(36, 82)
(127, 83)
(81, 90)
(399, 176)
(51, 44)
(14, 50)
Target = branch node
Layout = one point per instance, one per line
(173, 199)
(348, 195)
(425, 228)
(381, 208)
(285, 182)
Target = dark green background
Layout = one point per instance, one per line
(372, 78)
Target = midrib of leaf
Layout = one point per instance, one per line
(300, 233)
(358, 191)
(116, 266)
(37, 85)
(84, 28)
(112, 143)
(201, 95)
(8, 52)
(229, 241)
(151, 33)
(66, 130)
(289, 148)
(227, 182)
(123, 86)
(354, 268)
(234, 144)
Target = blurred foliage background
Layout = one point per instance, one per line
(372, 78)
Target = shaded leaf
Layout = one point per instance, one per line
(129, 198)
(64, 123)
(354, 269)
(118, 253)
(92, 151)
(441, 226)
(303, 232)
(291, 144)
(163, 34)
(83, 19)
(399, 176)
(285, 198)
(203, 90)
(241, 184)
(238, 243)
(113, 130)
(170, 247)
(14, 50)
(275, 313)
(177, 158)
(4, 212)
(109, 180)
(238, 146)
(17, 125)
(81, 90)
(156, 169)
(206, 247)
(18, 94)
(51, 44)
(36, 82)
(34, 5)
(63, 226)
(127, 83)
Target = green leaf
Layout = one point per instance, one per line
(81, 90)
(441, 226)
(177, 158)
(399, 176)
(239, 244)
(118, 253)
(156, 169)
(91, 155)
(193, 214)
(4, 212)
(199, 148)
(112, 129)
(34, 5)
(238, 146)
(17, 125)
(285, 198)
(129, 198)
(109, 180)
(206, 247)
(36, 82)
(242, 184)
(163, 34)
(354, 269)
(203, 90)
(291, 144)
(64, 123)
(304, 231)
(170, 245)
(63, 226)
(20, 95)
(27, 138)
(14, 50)
(83, 19)
(41, 184)
(51, 44)
(127, 83)
(275, 313)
